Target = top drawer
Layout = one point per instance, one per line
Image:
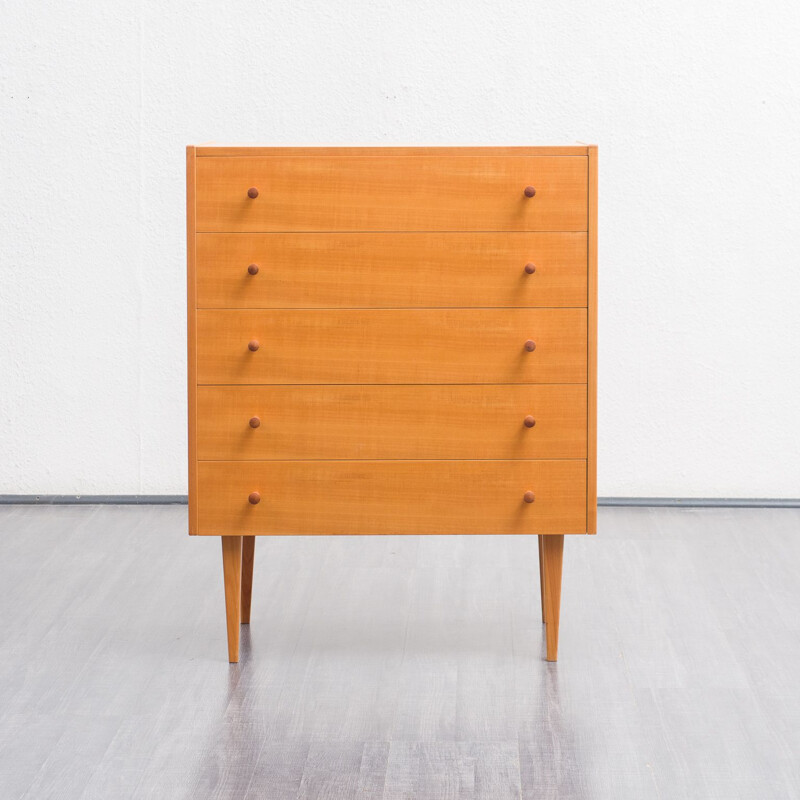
(391, 193)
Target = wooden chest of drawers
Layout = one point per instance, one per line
(391, 341)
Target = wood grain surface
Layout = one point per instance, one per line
(390, 270)
(391, 497)
(391, 422)
(391, 346)
(391, 193)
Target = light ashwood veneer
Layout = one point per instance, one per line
(424, 192)
(391, 270)
(482, 345)
(372, 422)
(392, 497)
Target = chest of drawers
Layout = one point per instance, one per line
(391, 341)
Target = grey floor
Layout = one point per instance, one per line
(388, 667)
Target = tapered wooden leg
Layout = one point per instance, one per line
(553, 555)
(541, 574)
(232, 571)
(248, 552)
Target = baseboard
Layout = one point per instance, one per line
(93, 499)
(180, 499)
(700, 502)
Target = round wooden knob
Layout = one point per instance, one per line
(529, 191)
(252, 192)
(530, 345)
(253, 345)
(528, 497)
(255, 422)
(254, 498)
(253, 269)
(529, 268)
(529, 421)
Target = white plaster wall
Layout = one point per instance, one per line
(695, 106)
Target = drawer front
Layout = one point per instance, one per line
(391, 346)
(391, 422)
(391, 497)
(390, 270)
(392, 193)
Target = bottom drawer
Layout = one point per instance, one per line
(390, 497)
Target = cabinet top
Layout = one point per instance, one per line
(240, 150)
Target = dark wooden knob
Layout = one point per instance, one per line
(253, 269)
(528, 497)
(255, 498)
(530, 345)
(252, 192)
(528, 422)
(529, 191)
(255, 422)
(529, 268)
(253, 345)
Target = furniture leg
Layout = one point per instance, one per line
(553, 555)
(248, 553)
(541, 575)
(232, 572)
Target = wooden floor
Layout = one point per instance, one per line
(387, 667)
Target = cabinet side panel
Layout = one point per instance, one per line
(191, 336)
(591, 354)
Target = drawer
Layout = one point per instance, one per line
(391, 422)
(391, 193)
(391, 497)
(390, 270)
(391, 346)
